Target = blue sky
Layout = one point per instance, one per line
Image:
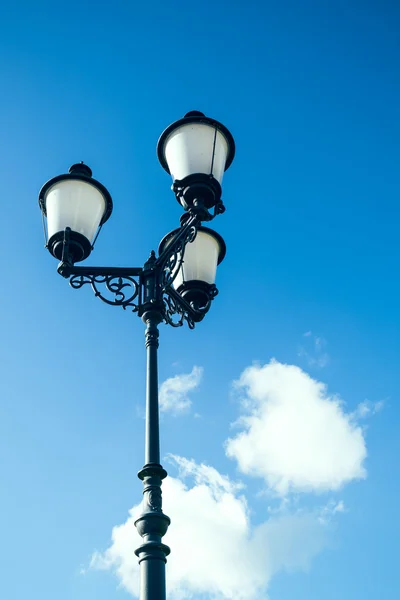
(309, 481)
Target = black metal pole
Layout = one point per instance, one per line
(152, 525)
(152, 439)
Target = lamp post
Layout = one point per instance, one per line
(175, 286)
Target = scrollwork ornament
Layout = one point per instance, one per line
(124, 289)
(172, 309)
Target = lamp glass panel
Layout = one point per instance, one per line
(190, 149)
(75, 204)
(200, 260)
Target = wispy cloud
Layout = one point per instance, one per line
(174, 392)
(330, 510)
(368, 409)
(313, 350)
(295, 435)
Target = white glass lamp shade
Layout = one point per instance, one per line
(201, 258)
(200, 261)
(196, 148)
(196, 144)
(76, 204)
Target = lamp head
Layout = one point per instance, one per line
(77, 202)
(196, 151)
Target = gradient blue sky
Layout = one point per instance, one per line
(311, 93)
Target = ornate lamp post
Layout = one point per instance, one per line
(175, 286)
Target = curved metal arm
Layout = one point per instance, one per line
(191, 222)
(171, 259)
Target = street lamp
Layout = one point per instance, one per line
(174, 287)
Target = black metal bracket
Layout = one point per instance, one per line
(143, 288)
(122, 286)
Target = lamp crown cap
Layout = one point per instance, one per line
(80, 169)
(194, 113)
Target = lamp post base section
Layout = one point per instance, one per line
(152, 525)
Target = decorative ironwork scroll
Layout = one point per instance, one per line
(119, 290)
(174, 313)
(171, 262)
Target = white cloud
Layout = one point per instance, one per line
(215, 549)
(204, 474)
(295, 434)
(174, 391)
